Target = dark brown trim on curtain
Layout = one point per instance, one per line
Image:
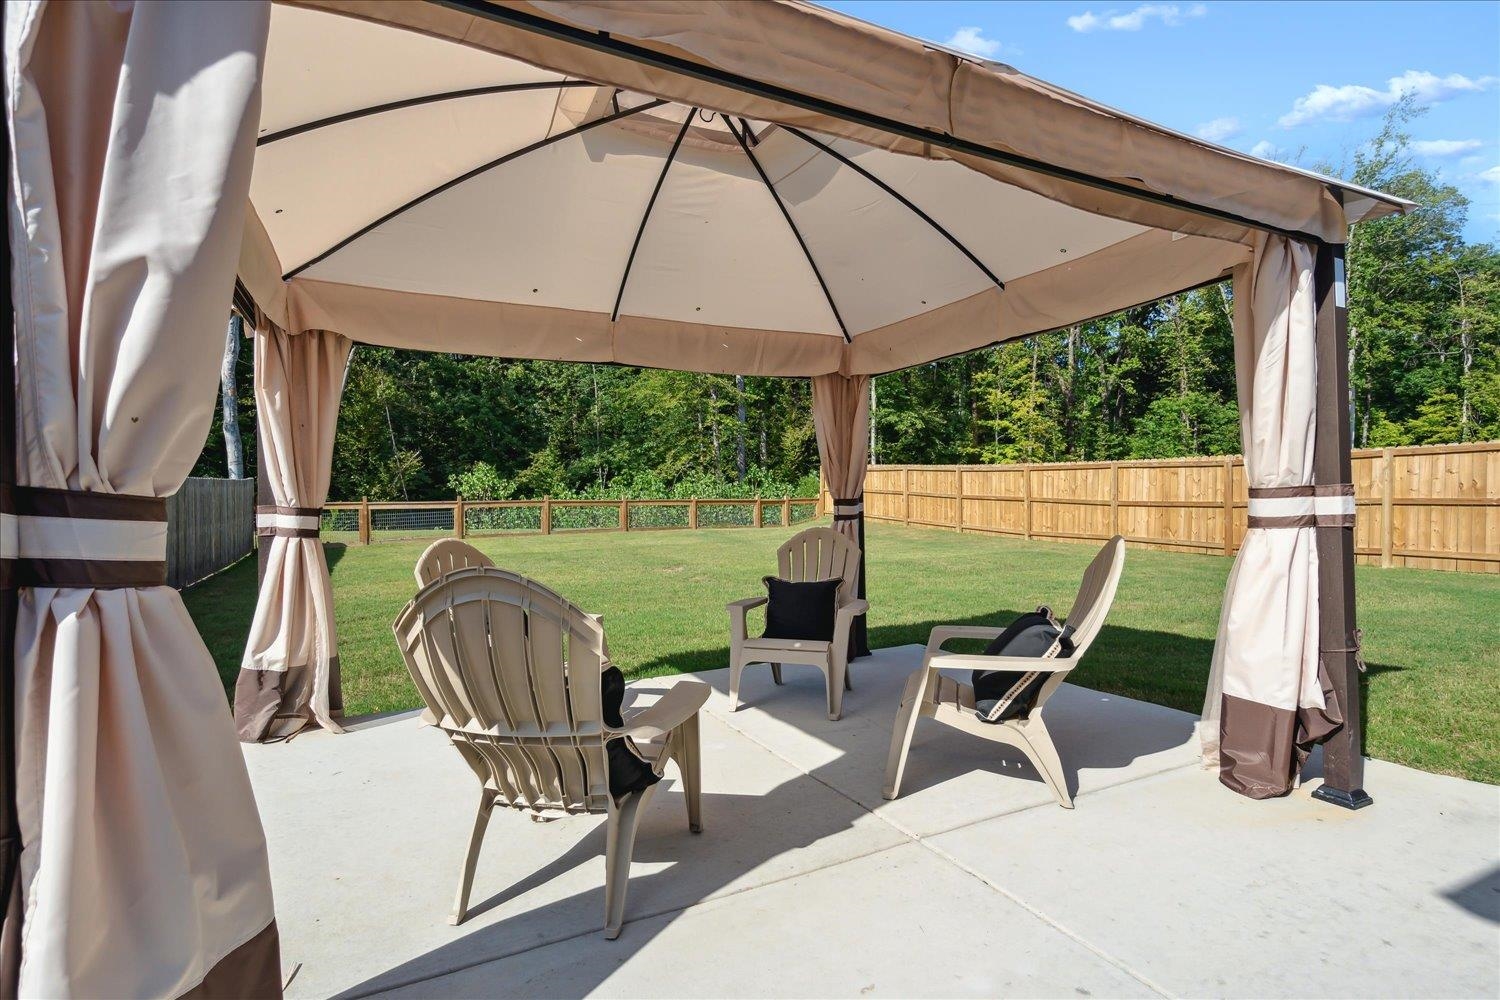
(277, 532)
(40, 501)
(250, 972)
(99, 574)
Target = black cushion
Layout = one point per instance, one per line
(1000, 695)
(801, 610)
(627, 771)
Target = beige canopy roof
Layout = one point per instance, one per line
(428, 176)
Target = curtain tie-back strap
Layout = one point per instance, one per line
(1302, 506)
(78, 538)
(849, 509)
(1357, 648)
(288, 522)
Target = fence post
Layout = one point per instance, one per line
(546, 515)
(1228, 505)
(364, 520)
(906, 494)
(1114, 498)
(693, 512)
(1026, 497)
(458, 517)
(786, 511)
(958, 518)
(760, 512)
(1387, 507)
(625, 515)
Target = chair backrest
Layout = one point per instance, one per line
(511, 671)
(446, 555)
(820, 554)
(1090, 607)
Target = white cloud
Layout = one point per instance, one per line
(972, 41)
(1492, 175)
(1444, 147)
(1265, 150)
(1341, 104)
(1220, 129)
(1169, 14)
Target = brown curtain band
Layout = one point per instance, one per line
(277, 532)
(1280, 492)
(100, 574)
(849, 503)
(1304, 521)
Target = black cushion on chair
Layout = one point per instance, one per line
(1000, 695)
(801, 610)
(627, 771)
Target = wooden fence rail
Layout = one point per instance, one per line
(210, 524)
(1434, 507)
(366, 521)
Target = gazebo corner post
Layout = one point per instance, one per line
(1338, 638)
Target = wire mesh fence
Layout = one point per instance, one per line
(363, 523)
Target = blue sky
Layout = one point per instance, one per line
(1301, 82)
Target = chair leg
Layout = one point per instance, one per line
(476, 838)
(901, 734)
(776, 673)
(848, 677)
(736, 668)
(838, 673)
(689, 765)
(1038, 747)
(624, 819)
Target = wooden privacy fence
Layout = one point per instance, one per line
(364, 522)
(1434, 507)
(210, 524)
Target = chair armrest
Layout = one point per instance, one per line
(737, 610)
(674, 708)
(849, 609)
(746, 604)
(977, 661)
(943, 633)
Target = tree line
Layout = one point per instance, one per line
(1151, 382)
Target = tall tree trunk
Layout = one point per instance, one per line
(739, 427)
(713, 424)
(390, 427)
(234, 451)
(1466, 354)
(874, 440)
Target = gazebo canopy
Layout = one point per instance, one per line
(536, 197)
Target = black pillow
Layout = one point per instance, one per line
(627, 771)
(801, 610)
(1000, 695)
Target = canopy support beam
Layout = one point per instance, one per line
(604, 42)
(468, 175)
(646, 215)
(1338, 639)
(792, 225)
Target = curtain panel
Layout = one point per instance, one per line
(841, 418)
(143, 861)
(289, 673)
(1269, 700)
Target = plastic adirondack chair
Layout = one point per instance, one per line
(929, 693)
(510, 670)
(446, 555)
(814, 554)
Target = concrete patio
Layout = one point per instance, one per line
(806, 883)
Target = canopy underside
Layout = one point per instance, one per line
(414, 191)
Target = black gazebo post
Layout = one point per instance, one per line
(1338, 641)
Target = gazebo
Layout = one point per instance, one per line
(757, 188)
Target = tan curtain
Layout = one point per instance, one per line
(841, 417)
(1267, 701)
(289, 673)
(143, 860)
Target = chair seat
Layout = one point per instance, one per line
(782, 645)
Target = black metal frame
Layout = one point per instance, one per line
(936, 226)
(604, 42)
(415, 102)
(468, 175)
(787, 215)
(646, 215)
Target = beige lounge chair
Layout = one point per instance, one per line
(931, 694)
(446, 555)
(510, 670)
(814, 554)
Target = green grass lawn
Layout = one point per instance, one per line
(1432, 640)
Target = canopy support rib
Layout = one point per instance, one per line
(787, 215)
(646, 215)
(414, 102)
(468, 175)
(936, 227)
